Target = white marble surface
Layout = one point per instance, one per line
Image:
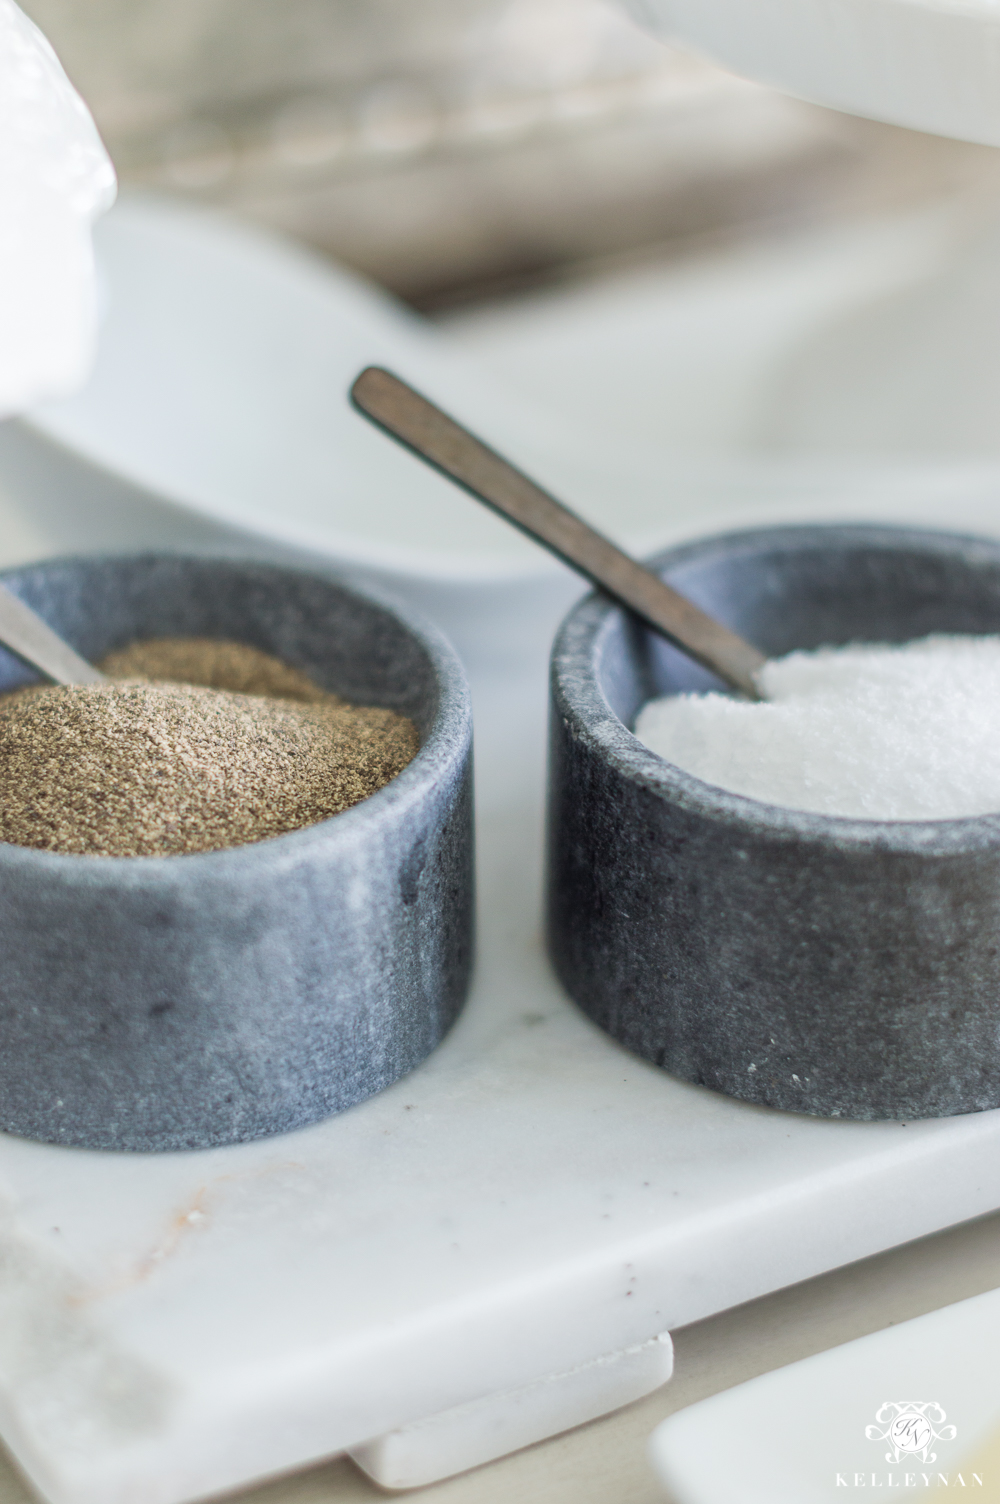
(607, 1460)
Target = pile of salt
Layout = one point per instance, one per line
(866, 731)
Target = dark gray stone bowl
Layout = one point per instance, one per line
(845, 968)
(154, 1003)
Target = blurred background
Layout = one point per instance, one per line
(459, 151)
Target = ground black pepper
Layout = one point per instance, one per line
(199, 745)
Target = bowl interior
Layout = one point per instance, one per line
(344, 641)
(803, 588)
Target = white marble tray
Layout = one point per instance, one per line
(528, 1200)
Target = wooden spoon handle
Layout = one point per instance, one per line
(450, 448)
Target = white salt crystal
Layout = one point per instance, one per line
(867, 731)
(55, 177)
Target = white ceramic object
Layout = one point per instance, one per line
(933, 65)
(690, 360)
(869, 352)
(221, 386)
(913, 1409)
(55, 178)
(913, 372)
(216, 417)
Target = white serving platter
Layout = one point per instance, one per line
(221, 381)
(657, 402)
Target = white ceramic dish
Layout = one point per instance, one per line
(697, 361)
(217, 419)
(816, 1431)
(217, 415)
(221, 382)
(915, 372)
(930, 64)
(221, 386)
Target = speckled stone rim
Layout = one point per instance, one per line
(832, 966)
(160, 1003)
(447, 717)
(576, 680)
